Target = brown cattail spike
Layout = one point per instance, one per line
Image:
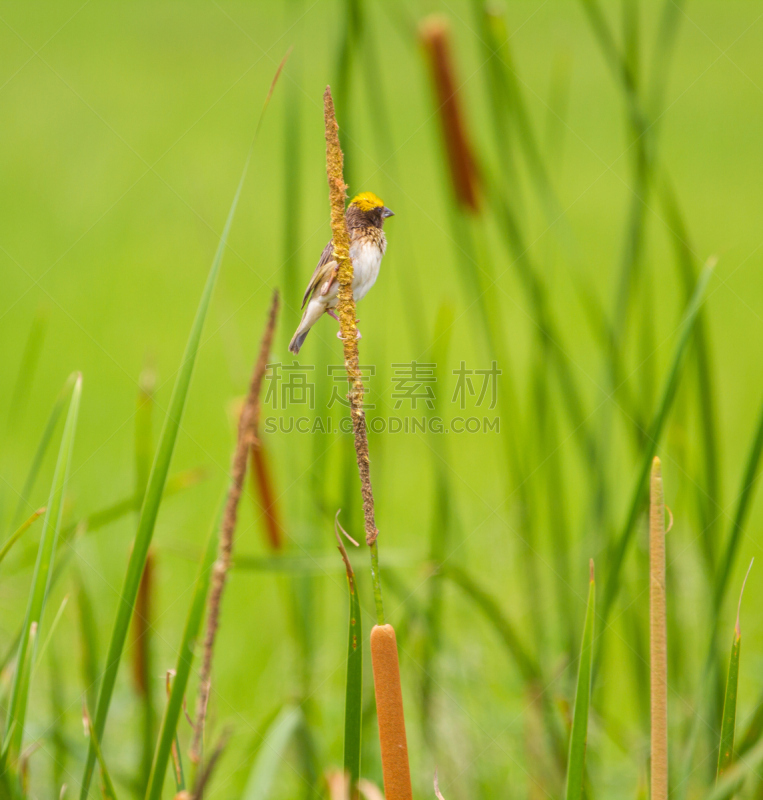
(435, 34)
(389, 711)
(658, 639)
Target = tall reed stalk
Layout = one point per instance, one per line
(658, 635)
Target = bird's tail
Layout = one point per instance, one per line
(298, 339)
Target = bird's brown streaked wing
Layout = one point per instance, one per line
(325, 265)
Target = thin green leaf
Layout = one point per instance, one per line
(19, 532)
(168, 729)
(732, 780)
(441, 528)
(353, 704)
(749, 481)
(28, 367)
(143, 428)
(142, 624)
(23, 669)
(260, 782)
(42, 448)
(726, 750)
(59, 744)
(88, 641)
(579, 736)
(41, 578)
(709, 499)
(53, 625)
(655, 431)
(153, 496)
(109, 792)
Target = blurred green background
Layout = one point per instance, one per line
(124, 130)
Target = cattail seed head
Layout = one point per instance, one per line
(389, 711)
(435, 36)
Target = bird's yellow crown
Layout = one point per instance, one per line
(366, 201)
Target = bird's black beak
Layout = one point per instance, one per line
(387, 213)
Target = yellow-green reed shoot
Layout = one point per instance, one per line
(734, 778)
(579, 735)
(168, 728)
(664, 405)
(353, 708)
(107, 787)
(726, 749)
(42, 571)
(42, 447)
(19, 532)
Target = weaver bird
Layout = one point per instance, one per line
(365, 222)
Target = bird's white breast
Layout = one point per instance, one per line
(366, 260)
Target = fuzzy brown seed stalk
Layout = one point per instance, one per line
(246, 428)
(389, 711)
(346, 308)
(658, 636)
(435, 35)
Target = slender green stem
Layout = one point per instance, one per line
(728, 726)
(579, 736)
(19, 532)
(376, 578)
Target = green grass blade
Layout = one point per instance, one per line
(58, 742)
(732, 780)
(19, 532)
(710, 497)
(167, 731)
(42, 448)
(109, 792)
(749, 481)
(728, 726)
(655, 432)
(726, 750)
(260, 782)
(30, 358)
(41, 577)
(143, 453)
(441, 530)
(24, 671)
(88, 642)
(143, 429)
(353, 704)
(154, 492)
(579, 736)
(53, 625)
